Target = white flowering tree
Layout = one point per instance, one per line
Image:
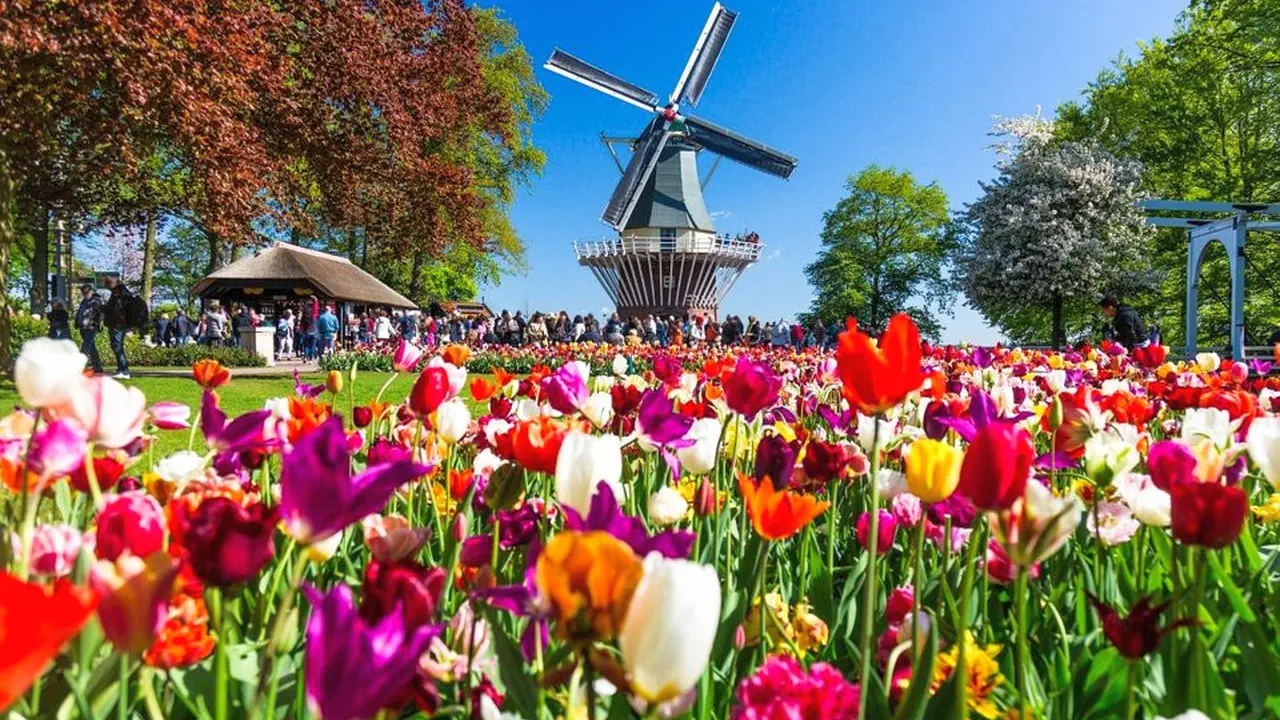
(1055, 231)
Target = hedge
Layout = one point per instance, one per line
(26, 327)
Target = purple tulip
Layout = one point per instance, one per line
(752, 387)
(355, 669)
(303, 389)
(982, 357)
(246, 432)
(566, 388)
(775, 458)
(982, 412)
(606, 515)
(1260, 367)
(318, 496)
(522, 601)
(658, 422)
(170, 415)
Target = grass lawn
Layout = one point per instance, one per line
(244, 394)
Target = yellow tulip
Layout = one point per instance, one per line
(933, 469)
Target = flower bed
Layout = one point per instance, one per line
(891, 530)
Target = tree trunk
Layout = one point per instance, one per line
(235, 253)
(40, 260)
(215, 253)
(1059, 327)
(6, 242)
(149, 256)
(414, 282)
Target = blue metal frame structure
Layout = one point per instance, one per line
(1232, 233)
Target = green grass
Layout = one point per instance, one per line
(244, 394)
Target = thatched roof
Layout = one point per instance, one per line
(299, 272)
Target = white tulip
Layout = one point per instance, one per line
(667, 506)
(46, 370)
(1263, 443)
(585, 461)
(1188, 715)
(1208, 361)
(279, 407)
(620, 365)
(700, 457)
(180, 467)
(527, 409)
(496, 428)
(598, 409)
(867, 429)
(667, 635)
(486, 462)
(452, 420)
(1108, 457)
(1212, 424)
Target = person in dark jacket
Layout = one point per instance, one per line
(161, 334)
(89, 322)
(180, 329)
(59, 321)
(1128, 327)
(115, 315)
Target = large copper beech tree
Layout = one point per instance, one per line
(344, 112)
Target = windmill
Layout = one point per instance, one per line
(667, 258)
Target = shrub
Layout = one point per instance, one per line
(26, 327)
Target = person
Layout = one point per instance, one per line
(284, 334)
(753, 330)
(536, 330)
(407, 326)
(160, 334)
(1128, 327)
(115, 316)
(59, 321)
(797, 336)
(215, 325)
(180, 330)
(382, 329)
(307, 326)
(326, 329)
(780, 334)
(89, 322)
(244, 322)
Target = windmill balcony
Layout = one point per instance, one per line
(728, 246)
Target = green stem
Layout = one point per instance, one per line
(28, 506)
(961, 672)
(917, 583)
(122, 689)
(834, 484)
(1021, 657)
(147, 690)
(1130, 691)
(869, 585)
(762, 585)
(268, 678)
(384, 387)
(221, 665)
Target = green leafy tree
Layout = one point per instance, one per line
(884, 247)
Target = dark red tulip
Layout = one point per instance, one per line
(823, 460)
(1138, 634)
(996, 466)
(406, 585)
(1207, 514)
(362, 416)
(704, 500)
(775, 459)
(500, 407)
(751, 387)
(228, 544)
(252, 459)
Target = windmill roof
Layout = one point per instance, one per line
(673, 196)
(285, 266)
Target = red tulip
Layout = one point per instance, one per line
(132, 522)
(878, 377)
(996, 466)
(1151, 356)
(106, 470)
(430, 390)
(362, 416)
(406, 585)
(1138, 634)
(228, 544)
(824, 461)
(1207, 514)
(35, 622)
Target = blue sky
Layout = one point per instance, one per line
(838, 84)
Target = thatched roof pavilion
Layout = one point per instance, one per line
(285, 272)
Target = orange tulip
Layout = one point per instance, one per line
(536, 443)
(589, 578)
(777, 515)
(210, 374)
(502, 377)
(305, 415)
(876, 378)
(482, 389)
(456, 355)
(35, 622)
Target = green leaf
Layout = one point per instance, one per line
(506, 486)
(942, 705)
(876, 698)
(912, 706)
(1238, 604)
(518, 684)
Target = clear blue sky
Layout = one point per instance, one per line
(836, 83)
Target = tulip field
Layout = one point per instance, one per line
(889, 530)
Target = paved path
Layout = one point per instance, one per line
(280, 369)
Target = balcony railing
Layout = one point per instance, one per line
(723, 245)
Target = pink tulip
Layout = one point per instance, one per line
(54, 549)
(131, 522)
(109, 412)
(58, 450)
(391, 539)
(135, 597)
(170, 415)
(888, 527)
(407, 357)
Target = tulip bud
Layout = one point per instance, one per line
(739, 637)
(333, 383)
(704, 500)
(459, 528)
(130, 484)
(362, 416)
(1055, 414)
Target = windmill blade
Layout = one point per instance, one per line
(704, 56)
(644, 159)
(723, 141)
(571, 67)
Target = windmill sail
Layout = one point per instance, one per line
(705, 54)
(571, 67)
(648, 149)
(723, 141)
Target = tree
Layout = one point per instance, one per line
(1056, 230)
(883, 249)
(1201, 111)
